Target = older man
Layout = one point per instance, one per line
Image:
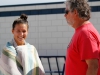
(83, 52)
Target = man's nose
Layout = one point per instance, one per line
(65, 15)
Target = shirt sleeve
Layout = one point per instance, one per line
(88, 47)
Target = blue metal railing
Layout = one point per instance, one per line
(60, 72)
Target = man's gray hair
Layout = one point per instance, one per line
(81, 6)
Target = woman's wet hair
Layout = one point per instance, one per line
(21, 20)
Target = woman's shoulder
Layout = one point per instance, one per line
(8, 45)
(30, 46)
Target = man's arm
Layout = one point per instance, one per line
(92, 66)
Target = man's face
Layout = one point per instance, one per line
(69, 15)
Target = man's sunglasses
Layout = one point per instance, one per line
(66, 11)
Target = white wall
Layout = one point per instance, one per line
(50, 34)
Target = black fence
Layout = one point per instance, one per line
(59, 63)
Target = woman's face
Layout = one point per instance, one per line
(20, 33)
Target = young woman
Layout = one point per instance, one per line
(19, 57)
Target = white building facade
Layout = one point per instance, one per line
(48, 29)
